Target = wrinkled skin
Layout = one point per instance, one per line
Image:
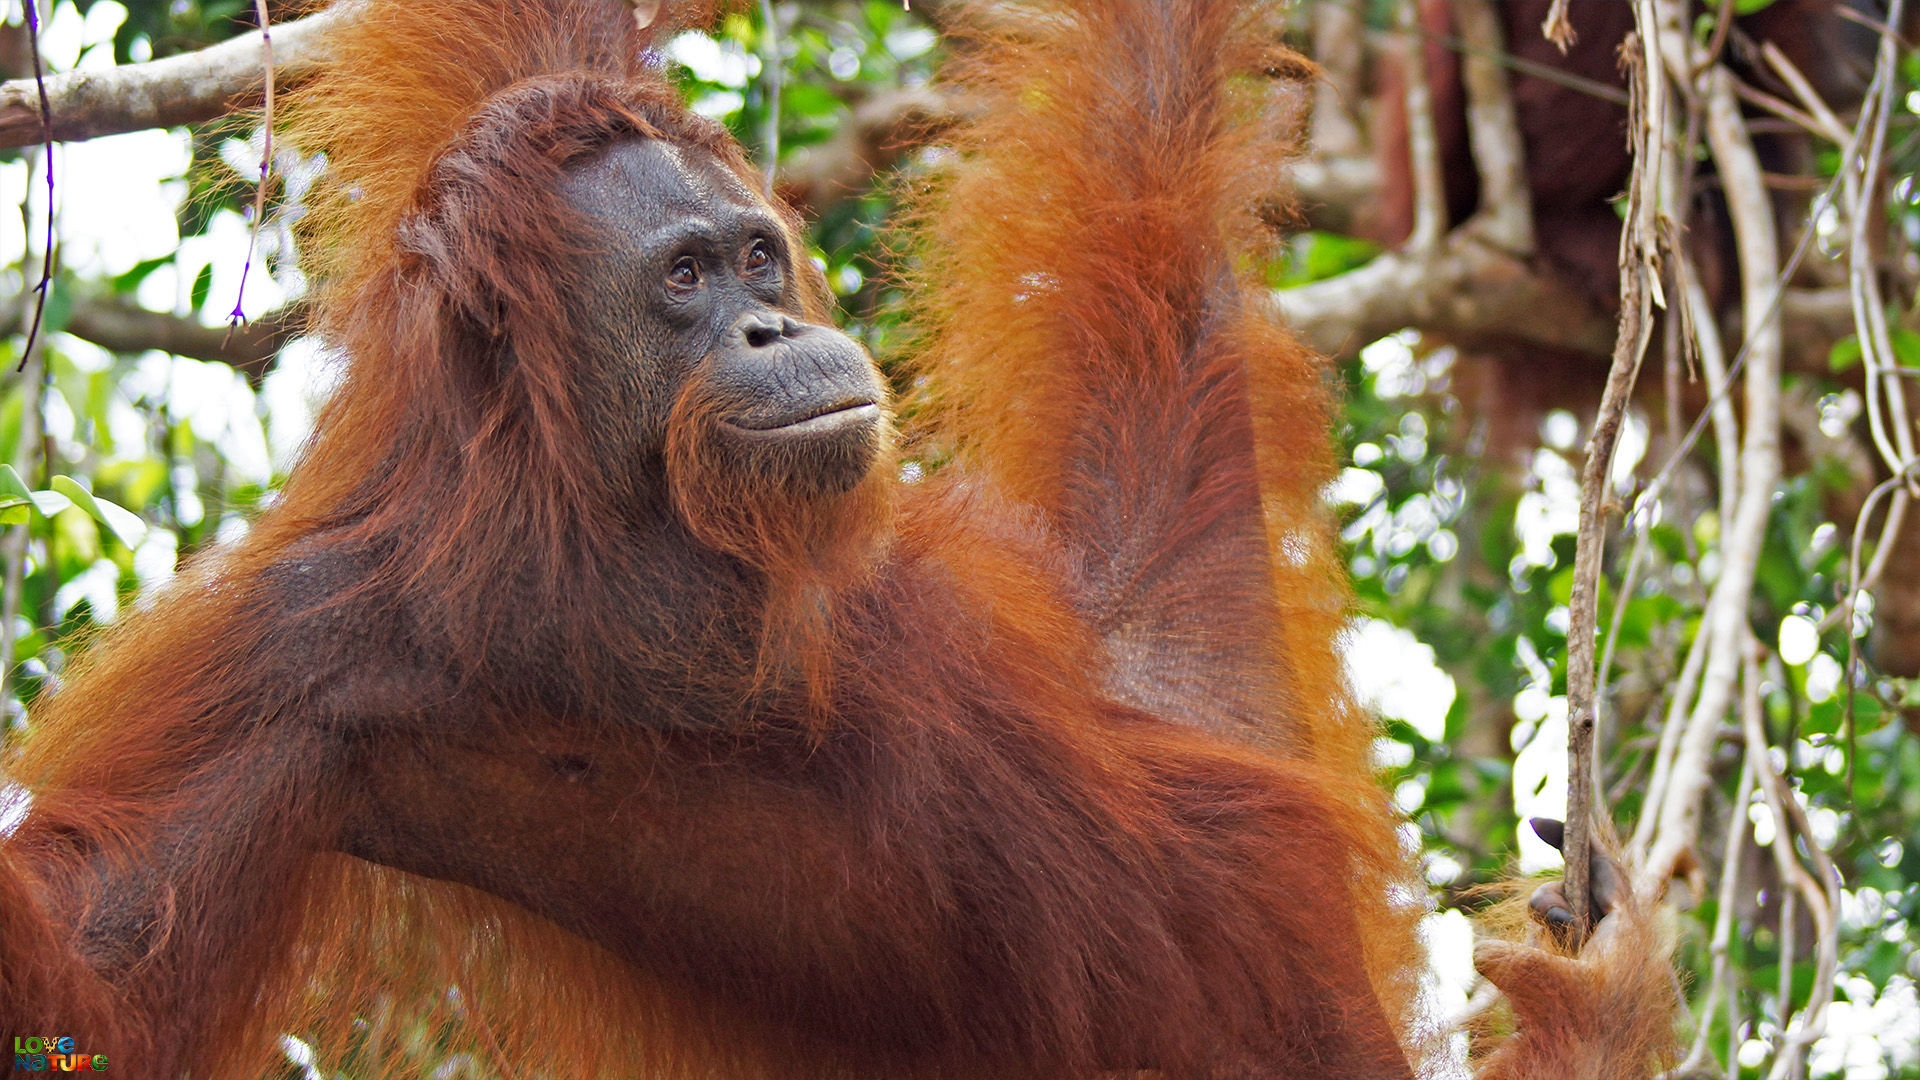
(697, 284)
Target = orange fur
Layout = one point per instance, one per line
(1603, 1010)
(1099, 348)
(1042, 767)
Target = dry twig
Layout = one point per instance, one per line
(46, 165)
(238, 316)
(1558, 28)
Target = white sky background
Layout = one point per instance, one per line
(116, 199)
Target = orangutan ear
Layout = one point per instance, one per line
(645, 12)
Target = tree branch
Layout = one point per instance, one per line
(1330, 192)
(1759, 264)
(160, 93)
(1339, 38)
(1493, 130)
(125, 328)
(1423, 143)
(1467, 290)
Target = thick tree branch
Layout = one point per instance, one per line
(1472, 292)
(1330, 192)
(1493, 130)
(161, 93)
(250, 349)
(1423, 143)
(1339, 40)
(1468, 290)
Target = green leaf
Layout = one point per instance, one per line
(1845, 353)
(50, 503)
(809, 103)
(1333, 254)
(128, 282)
(1867, 712)
(1448, 787)
(202, 286)
(1906, 348)
(138, 483)
(125, 523)
(13, 490)
(1823, 717)
(76, 543)
(59, 309)
(97, 400)
(1561, 587)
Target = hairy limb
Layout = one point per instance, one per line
(179, 788)
(1601, 1010)
(1098, 355)
(155, 919)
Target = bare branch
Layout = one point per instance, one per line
(161, 93)
(1887, 417)
(1328, 190)
(1330, 193)
(1859, 581)
(45, 116)
(1559, 28)
(1493, 131)
(1339, 34)
(1820, 889)
(30, 448)
(1476, 293)
(125, 328)
(1824, 120)
(1423, 143)
(1506, 59)
(238, 316)
(1467, 290)
(1759, 263)
(1699, 1056)
(1639, 285)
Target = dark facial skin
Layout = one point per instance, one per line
(697, 290)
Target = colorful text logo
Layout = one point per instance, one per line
(53, 1053)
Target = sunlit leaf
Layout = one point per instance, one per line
(125, 524)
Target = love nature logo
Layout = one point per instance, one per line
(53, 1053)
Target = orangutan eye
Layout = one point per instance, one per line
(685, 273)
(759, 257)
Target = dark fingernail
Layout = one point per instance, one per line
(1551, 830)
(1559, 916)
